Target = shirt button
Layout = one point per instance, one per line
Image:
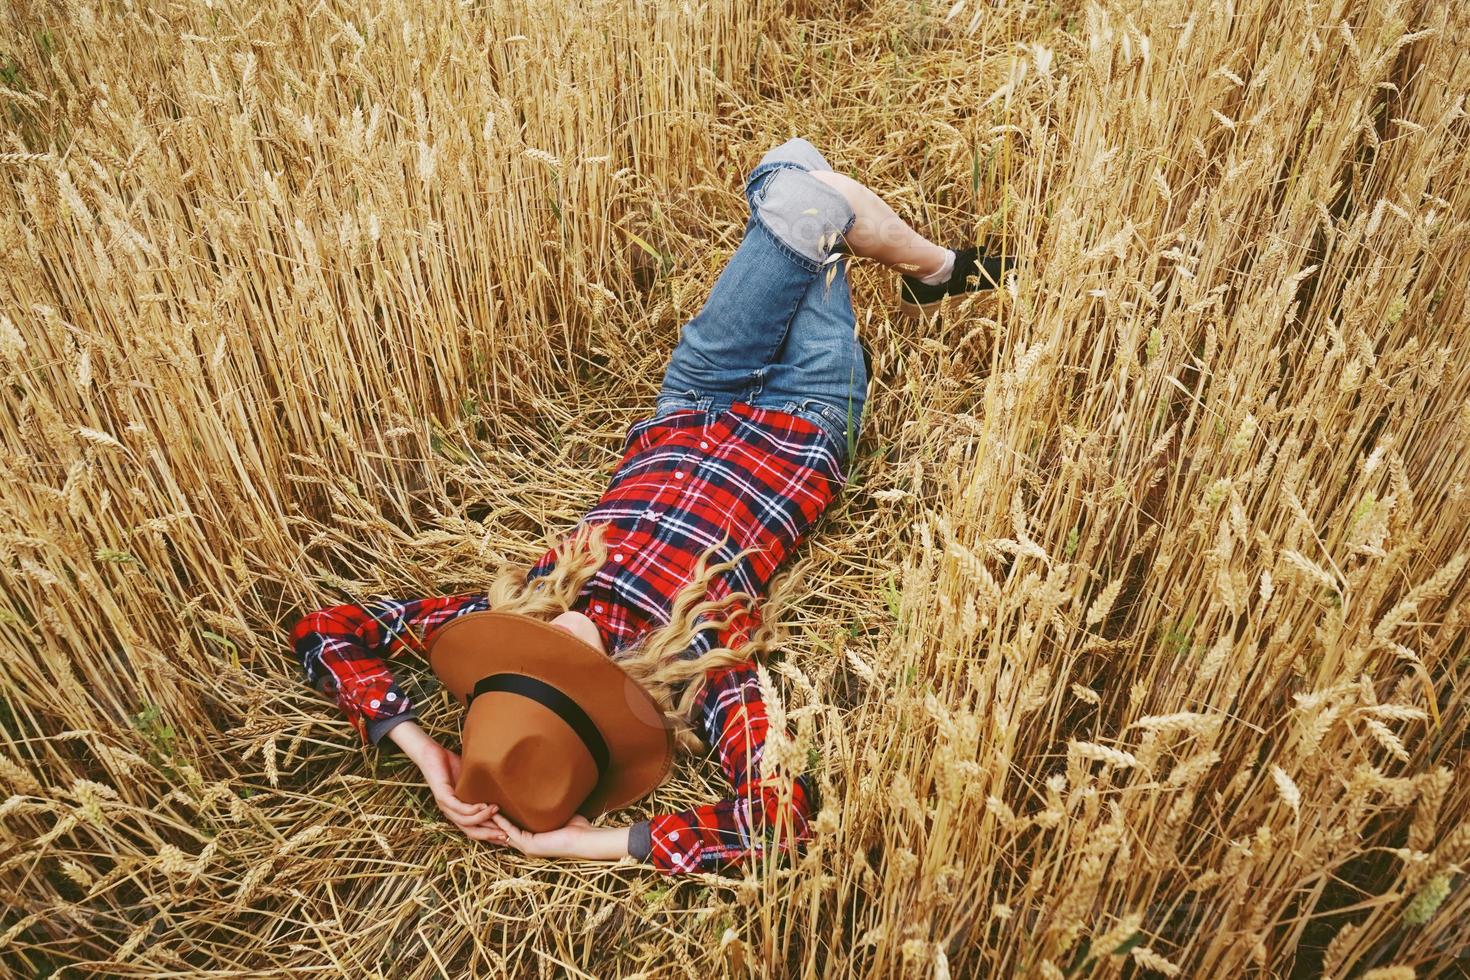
(618, 556)
(674, 835)
(703, 444)
(376, 703)
(597, 608)
(392, 696)
(678, 474)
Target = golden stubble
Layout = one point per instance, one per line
(1136, 642)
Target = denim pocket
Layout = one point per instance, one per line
(837, 423)
(684, 401)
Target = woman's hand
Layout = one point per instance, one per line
(440, 768)
(578, 839)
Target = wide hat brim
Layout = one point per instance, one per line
(638, 735)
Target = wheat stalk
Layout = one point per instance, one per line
(1140, 623)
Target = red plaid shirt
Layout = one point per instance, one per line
(745, 480)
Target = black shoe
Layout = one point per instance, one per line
(972, 273)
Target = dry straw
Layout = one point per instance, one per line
(1136, 645)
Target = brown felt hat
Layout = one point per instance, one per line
(553, 727)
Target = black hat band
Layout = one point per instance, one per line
(564, 707)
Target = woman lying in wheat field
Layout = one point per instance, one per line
(570, 670)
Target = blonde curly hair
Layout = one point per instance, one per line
(655, 660)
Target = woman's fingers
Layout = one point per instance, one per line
(441, 769)
(454, 766)
(483, 817)
(463, 812)
(479, 813)
(514, 836)
(444, 793)
(492, 835)
(479, 829)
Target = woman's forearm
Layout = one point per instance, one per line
(409, 737)
(603, 843)
(578, 840)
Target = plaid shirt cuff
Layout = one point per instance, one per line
(722, 835)
(640, 841)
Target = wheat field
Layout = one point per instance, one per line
(1135, 646)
